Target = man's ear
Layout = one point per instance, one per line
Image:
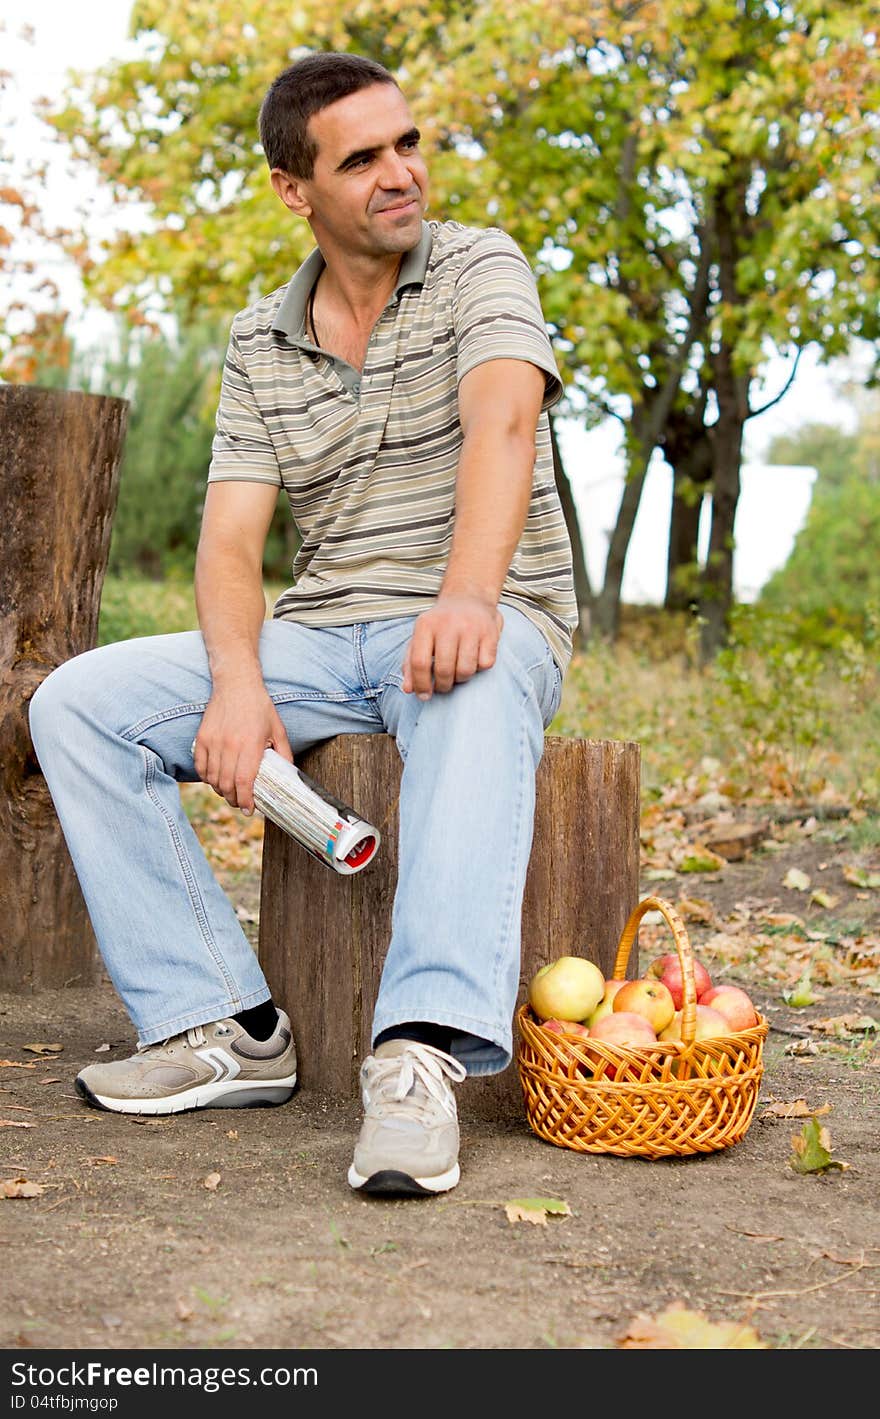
(290, 190)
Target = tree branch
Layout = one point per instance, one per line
(753, 413)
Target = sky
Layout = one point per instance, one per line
(774, 500)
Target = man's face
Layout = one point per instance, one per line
(368, 191)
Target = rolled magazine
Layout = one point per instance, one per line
(328, 829)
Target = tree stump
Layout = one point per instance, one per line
(323, 937)
(58, 487)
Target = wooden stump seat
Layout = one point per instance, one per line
(323, 937)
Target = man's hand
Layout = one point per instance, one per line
(239, 723)
(450, 642)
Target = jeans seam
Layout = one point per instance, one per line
(507, 915)
(197, 905)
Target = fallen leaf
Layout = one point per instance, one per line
(39, 1048)
(536, 1209)
(802, 1047)
(102, 1158)
(802, 992)
(843, 1025)
(184, 1311)
(232, 1133)
(796, 880)
(17, 1064)
(824, 899)
(795, 1108)
(53, 1079)
(101, 1049)
(811, 1150)
(211, 1182)
(701, 859)
(696, 909)
(858, 877)
(15, 1123)
(20, 1187)
(678, 1328)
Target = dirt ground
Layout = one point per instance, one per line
(136, 1243)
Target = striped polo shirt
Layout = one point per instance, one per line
(368, 459)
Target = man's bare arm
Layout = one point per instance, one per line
(240, 719)
(499, 405)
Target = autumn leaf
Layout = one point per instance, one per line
(536, 1209)
(40, 1048)
(801, 993)
(102, 1158)
(824, 899)
(701, 859)
(17, 1064)
(794, 1108)
(678, 1328)
(20, 1187)
(796, 880)
(15, 1123)
(858, 877)
(811, 1150)
(843, 1025)
(211, 1182)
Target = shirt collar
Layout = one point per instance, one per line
(290, 318)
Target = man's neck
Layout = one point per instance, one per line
(358, 289)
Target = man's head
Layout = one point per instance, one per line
(344, 154)
(302, 90)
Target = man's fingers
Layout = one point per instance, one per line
(420, 656)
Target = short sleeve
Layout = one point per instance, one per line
(497, 314)
(242, 450)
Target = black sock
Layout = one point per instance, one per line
(424, 1032)
(260, 1021)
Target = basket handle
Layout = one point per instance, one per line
(685, 956)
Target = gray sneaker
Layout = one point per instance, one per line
(409, 1137)
(217, 1065)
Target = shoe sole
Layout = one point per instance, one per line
(243, 1095)
(388, 1182)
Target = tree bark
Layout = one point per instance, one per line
(732, 394)
(687, 448)
(58, 487)
(582, 589)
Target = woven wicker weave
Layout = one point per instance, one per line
(653, 1101)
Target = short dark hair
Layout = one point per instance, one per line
(303, 89)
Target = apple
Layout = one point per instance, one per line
(668, 969)
(709, 1023)
(606, 1004)
(650, 998)
(621, 1027)
(733, 1003)
(569, 988)
(571, 1028)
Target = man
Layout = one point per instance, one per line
(396, 389)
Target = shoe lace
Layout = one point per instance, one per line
(395, 1079)
(195, 1036)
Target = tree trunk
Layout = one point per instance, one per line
(732, 394)
(687, 448)
(58, 486)
(582, 589)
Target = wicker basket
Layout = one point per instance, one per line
(651, 1101)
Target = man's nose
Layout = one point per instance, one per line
(395, 173)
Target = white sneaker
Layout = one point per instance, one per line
(409, 1138)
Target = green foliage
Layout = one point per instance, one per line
(831, 581)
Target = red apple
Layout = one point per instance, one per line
(569, 988)
(733, 1003)
(606, 1004)
(621, 1027)
(668, 969)
(709, 1023)
(650, 998)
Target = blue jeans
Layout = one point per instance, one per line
(113, 730)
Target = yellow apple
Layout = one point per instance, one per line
(650, 998)
(709, 1023)
(569, 988)
(606, 1004)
